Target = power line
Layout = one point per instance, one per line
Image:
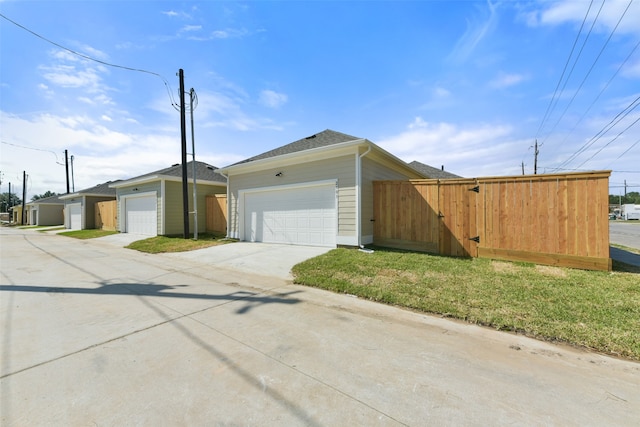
(626, 151)
(591, 68)
(607, 144)
(624, 113)
(81, 55)
(33, 148)
(553, 97)
(604, 88)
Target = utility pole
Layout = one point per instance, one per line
(625, 191)
(24, 196)
(522, 168)
(66, 166)
(193, 164)
(73, 180)
(535, 158)
(183, 137)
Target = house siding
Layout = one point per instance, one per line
(141, 188)
(50, 214)
(174, 210)
(89, 210)
(374, 171)
(338, 168)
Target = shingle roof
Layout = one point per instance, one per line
(432, 172)
(322, 139)
(48, 200)
(204, 172)
(102, 189)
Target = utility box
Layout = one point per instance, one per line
(630, 212)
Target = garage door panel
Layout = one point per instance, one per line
(141, 215)
(75, 216)
(304, 216)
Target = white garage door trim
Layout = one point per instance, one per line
(284, 214)
(75, 216)
(143, 218)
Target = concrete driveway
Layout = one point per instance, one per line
(266, 259)
(93, 334)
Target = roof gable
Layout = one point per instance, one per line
(204, 172)
(432, 172)
(323, 139)
(97, 190)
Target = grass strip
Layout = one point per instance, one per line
(596, 310)
(160, 244)
(87, 234)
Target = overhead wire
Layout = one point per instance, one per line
(591, 68)
(617, 119)
(33, 148)
(99, 61)
(604, 88)
(553, 97)
(609, 143)
(625, 152)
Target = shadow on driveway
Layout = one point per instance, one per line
(153, 290)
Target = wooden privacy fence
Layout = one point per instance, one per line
(106, 215)
(217, 213)
(559, 219)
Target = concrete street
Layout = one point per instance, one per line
(95, 334)
(625, 233)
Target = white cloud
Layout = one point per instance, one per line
(561, 12)
(190, 28)
(176, 14)
(504, 80)
(479, 150)
(272, 99)
(476, 31)
(229, 33)
(632, 70)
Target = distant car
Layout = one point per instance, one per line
(612, 216)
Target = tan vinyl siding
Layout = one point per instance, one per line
(340, 168)
(374, 171)
(174, 210)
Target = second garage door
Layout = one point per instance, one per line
(141, 215)
(298, 216)
(75, 216)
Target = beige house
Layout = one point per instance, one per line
(315, 191)
(151, 204)
(46, 211)
(79, 208)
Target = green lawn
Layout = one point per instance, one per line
(160, 244)
(87, 234)
(596, 310)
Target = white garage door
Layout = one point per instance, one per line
(298, 216)
(75, 216)
(141, 215)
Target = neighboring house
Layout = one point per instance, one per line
(151, 204)
(46, 211)
(79, 207)
(16, 214)
(431, 172)
(314, 191)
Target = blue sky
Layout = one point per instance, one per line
(465, 84)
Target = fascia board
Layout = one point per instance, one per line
(305, 156)
(153, 178)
